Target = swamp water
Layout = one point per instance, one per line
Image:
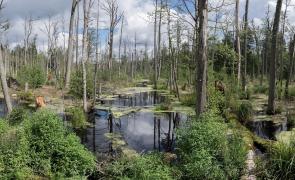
(142, 131)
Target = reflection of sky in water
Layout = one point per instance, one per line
(142, 131)
(139, 130)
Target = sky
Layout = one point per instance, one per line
(136, 13)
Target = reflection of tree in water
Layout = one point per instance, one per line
(168, 141)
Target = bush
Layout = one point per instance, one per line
(76, 85)
(14, 155)
(281, 161)
(26, 96)
(262, 89)
(206, 152)
(77, 117)
(246, 94)
(17, 115)
(149, 166)
(35, 76)
(224, 57)
(53, 150)
(245, 111)
(188, 99)
(291, 120)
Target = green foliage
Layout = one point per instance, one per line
(224, 58)
(26, 96)
(53, 150)
(149, 166)
(188, 99)
(17, 115)
(4, 125)
(35, 76)
(246, 94)
(206, 151)
(76, 85)
(77, 117)
(164, 106)
(216, 100)
(281, 161)
(291, 92)
(263, 89)
(291, 120)
(245, 111)
(14, 155)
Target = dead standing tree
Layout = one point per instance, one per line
(87, 4)
(4, 26)
(272, 67)
(201, 57)
(111, 8)
(70, 44)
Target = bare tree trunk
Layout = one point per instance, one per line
(85, 51)
(159, 42)
(291, 57)
(272, 68)
(155, 47)
(96, 55)
(77, 36)
(202, 57)
(244, 79)
(70, 45)
(238, 44)
(4, 83)
(120, 44)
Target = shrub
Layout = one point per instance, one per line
(76, 85)
(26, 96)
(281, 161)
(35, 76)
(188, 99)
(77, 117)
(224, 57)
(246, 94)
(14, 155)
(149, 166)
(291, 120)
(206, 152)
(245, 111)
(17, 115)
(263, 89)
(292, 92)
(53, 150)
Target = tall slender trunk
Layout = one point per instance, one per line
(159, 41)
(155, 47)
(4, 83)
(238, 44)
(291, 58)
(201, 84)
(70, 44)
(85, 53)
(120, 44)
(272, 67)
(244, 79)
(96, 56)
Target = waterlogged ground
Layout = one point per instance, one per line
(133, 126)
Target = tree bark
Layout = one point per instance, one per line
(155, 47)
(272, 67)
(4, 84)
(238, 44)
(244, 79)
(202, 57)
(291, 57)
(96, 56)
(84, 52)
(70, 44)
